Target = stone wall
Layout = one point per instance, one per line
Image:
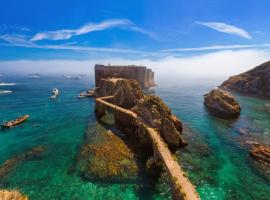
(140, 73)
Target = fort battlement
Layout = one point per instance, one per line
(140, 73)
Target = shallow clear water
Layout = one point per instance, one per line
(216, 159)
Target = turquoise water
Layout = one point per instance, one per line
(216, 159)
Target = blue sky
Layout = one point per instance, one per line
(139, 29)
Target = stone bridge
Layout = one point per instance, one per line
(182, 188)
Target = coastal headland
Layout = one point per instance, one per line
(145, 119)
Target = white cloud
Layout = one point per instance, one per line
(90, 27)
(226, 28)
(16, 39)
(22, 41)
(217, 47)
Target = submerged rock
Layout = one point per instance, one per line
(261, 155)
(255, 82)
(108, 158)
(222, 104)
(9, 164)
(12, 195)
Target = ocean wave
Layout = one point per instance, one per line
(6, 84)
(5, 91)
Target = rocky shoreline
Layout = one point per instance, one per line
(255, 82)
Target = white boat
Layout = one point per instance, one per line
(55, 93)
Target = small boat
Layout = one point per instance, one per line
(89, 93)
(82, 95)
(15, 122)
(55, 93)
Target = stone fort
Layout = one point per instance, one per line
(140, 73)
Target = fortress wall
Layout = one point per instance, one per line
(140, 73)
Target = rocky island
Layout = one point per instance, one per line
(222, 104)
(255, 82)
(146, 120)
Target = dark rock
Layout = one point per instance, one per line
(222, 104)
(255, 82)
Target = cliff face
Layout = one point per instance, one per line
(255, 82)
(150, 109)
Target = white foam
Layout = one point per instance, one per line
(5, 91)
(6, 84)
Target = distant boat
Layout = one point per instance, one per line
(15, 122)
(55, 93)
(7, 84)
(34, 76)
(68, 76)
(6, 91)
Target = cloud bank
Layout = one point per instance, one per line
(226, 28)
(217, 64)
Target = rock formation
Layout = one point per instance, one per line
(151, 110)
(255, 82)
(222, 104)
(12, 195)
(8, 165)
(261, 155)
(127, 92)
(155, 113)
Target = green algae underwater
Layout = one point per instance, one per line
(216, 159)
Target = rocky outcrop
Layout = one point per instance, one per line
(261, 156)
(155, 113)
(12, 195)
(9, 164)
(222, 104)
(255, 82)
(150, 109)
(127, 92)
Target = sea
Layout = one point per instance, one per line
(216, 160)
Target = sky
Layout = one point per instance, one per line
(220, 37)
